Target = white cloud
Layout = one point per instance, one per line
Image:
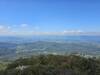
(22, 29)
(24, 25)
(72, 32)
(4, 28)
(1, 27)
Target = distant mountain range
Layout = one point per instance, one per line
(19, 39)
(26, 46)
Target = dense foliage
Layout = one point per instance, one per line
(53, 65)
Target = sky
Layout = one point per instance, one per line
(28, 17)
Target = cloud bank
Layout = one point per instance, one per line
(25, 29)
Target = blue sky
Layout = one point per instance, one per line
(36, 16)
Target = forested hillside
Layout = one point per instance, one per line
(53, 65)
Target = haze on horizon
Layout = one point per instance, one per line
(49, 17)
